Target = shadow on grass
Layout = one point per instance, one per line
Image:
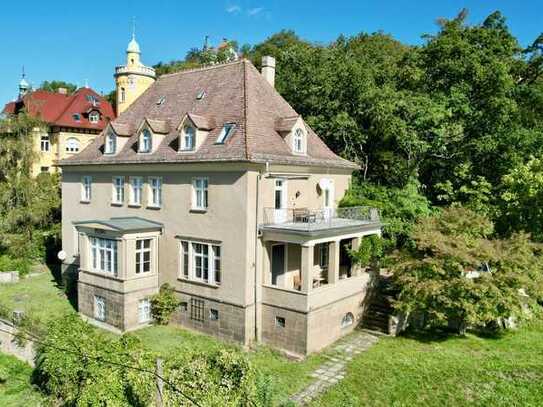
(65, 281)
(437, 335)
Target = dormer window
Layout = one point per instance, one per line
(188, 139)
(94, 117)
(226, 131)
(145, 141)
(111, 143)
(298, 141)
(76, 117)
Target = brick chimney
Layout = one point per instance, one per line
(268, 69)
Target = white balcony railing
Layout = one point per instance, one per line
(310, 219)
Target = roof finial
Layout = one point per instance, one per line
(134, 28)
(23, 76)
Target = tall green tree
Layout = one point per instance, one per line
(54, 86)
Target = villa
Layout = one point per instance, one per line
(211, 182)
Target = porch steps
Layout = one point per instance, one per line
(379, 310)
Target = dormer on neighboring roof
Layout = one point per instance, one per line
(115, 138)
(294, 132)
(193, 130)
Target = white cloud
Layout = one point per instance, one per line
(233, 9)
(254, 11)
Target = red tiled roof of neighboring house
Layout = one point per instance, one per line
(233, 93)
(58, 109)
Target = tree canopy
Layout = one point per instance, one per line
(54, 86)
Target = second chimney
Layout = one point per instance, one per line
(268, 69)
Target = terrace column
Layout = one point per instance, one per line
(307, 268)
(333, 262)
(356, 269)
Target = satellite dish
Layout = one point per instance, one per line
(61, 255)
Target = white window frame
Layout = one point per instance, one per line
(144, 311)
(94, 117)
(226, 131)
(117, 190)
(140, 256)
(72, 145)
(136, 184)
(185, 137)
(86, 188)
(212, 255)
(155, 192)
(103, 255)
(45, 143)
(146, 141)
(299, 141)
(122, 95)
(99, 308)
(111, 143)
(200, 193)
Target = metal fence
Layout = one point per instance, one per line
(319, 217)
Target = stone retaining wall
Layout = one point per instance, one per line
(7, 277)
(9, 346)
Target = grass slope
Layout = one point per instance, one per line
(474, 371)
(15, 387)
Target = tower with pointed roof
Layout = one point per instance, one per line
(24, 86)
(133, 78)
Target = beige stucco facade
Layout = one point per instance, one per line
(246, 305)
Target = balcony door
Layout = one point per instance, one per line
(278, 262)
(280, 198)
(328, 197)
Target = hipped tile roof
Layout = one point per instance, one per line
(234, 93)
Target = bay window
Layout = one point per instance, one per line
(103, 255)
(143, 256)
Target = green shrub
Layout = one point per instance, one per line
(7, 263)
(164, 304)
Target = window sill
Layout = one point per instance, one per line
(117, 203)
(133, 205)
(154, 207)
(198, 282)
(186, 151)
(84, 202)
(198, 210)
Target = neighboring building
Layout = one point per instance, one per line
(211, 182)
(132, 79)
(71, 121)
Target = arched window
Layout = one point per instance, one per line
(72, 145)
(347, 320)
(299, 141)
(145, 141)
(94, 117)
(111, 143)
(188, 141)
(123, 95)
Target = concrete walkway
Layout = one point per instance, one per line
(333, 370)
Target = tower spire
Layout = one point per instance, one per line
(134, 28)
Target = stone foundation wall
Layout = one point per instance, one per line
(324, 324)
(114, 304)
(230, 325)
(9, 346)
(292, 337)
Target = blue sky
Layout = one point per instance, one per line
(78, 41)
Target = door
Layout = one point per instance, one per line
(280, 212)
(277, 262)
(328, 196)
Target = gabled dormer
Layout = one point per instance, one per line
(294, 132)
(151, 133)
(193, 130)
(116, 136)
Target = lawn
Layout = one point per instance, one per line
(431, 371)
(15, 387)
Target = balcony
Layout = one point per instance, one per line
(315, 221)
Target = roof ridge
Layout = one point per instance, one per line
(203, 68)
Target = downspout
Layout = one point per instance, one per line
(257, 210)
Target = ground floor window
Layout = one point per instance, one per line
(214, 314)
(197, 310)
(201, 261)
(144, 310)
(99, 308)
(143, 256)
(347, 320)
(280, 322)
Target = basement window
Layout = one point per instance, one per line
(214, 314)
(347, 320)
(226, 131)
(280, 322)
